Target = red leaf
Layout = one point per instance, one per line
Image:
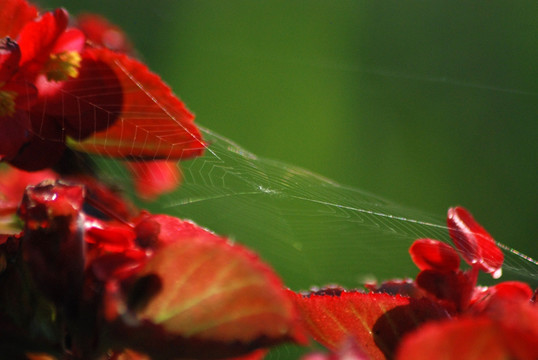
(154, 178)
(153, 124)
(429, 254)
(375, 321)
(474, 243)
(217, 291)
(14, 14)
(466, 339)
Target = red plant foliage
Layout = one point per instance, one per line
(442, 313)
(86, 275)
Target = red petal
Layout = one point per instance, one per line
(375, 321)
(14, 14)
(214, 290)
(86, 104)
(118, 266)
(494, 299)
(170, 230)
(153, 123)
(100, 32)
(105, 200)
(154, 178)
(474, 243)
(110, 237)
(38, 38)
(69, 40)
(430, 254)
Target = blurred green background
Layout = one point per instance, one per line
(427, 103)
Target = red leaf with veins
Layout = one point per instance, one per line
(375, 321)
(215, 291)
(153, 124)
(476, 246)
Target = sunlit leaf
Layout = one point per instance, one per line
(375, 321)
(213, 289)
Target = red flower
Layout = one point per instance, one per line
(56, 87)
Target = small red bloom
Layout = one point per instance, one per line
(56, 87)
(430, 254)
(101, 33)
(476, 246)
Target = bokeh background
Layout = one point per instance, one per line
(427, 103)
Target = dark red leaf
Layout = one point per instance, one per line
(42, 150)
(13, 134)
(153, 124)
(405, 287)
(10, 54)
(453, 288)
(474, 243)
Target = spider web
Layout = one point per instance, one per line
(312, 230)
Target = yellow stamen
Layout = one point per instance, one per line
(62, 66)
(7, 102)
